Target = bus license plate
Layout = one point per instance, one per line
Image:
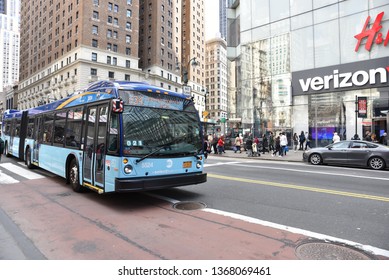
(187, 164)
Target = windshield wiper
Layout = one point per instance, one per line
(175, 141)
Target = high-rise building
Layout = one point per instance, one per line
(67, 44)
(193, 48)
(223, 18)
(160, 42)
(216, 81)
(9, 44)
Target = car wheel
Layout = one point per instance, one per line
(74, 176)
(376, 163)
(315, 159)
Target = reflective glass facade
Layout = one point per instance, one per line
(291, 61)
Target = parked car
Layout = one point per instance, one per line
(353, 152)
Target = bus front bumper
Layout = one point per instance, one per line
(158, 182)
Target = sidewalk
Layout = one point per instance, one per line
(290, 156)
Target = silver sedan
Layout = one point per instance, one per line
(353, 152)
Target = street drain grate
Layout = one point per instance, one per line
(189, 205)
(329, 251)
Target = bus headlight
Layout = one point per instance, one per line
(198, 165)
(128, 169)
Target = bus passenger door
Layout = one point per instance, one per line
(94, 153)
(38, 132)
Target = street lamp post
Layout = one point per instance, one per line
(185, 70)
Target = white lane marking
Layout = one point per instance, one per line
(6, 179)
(367, 248)
(21, 171)
(219, 163)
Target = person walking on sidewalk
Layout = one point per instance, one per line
(220, 145)
(214, 144)
(271, 142)
(284, 143)
(264, 144)
(308, 139)
(238, 143)
(295, 141)
(302, 140)
(277, 147)
(336, 138)
(249, 146)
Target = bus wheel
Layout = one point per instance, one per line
(74, 176)
(28, 159)
(6, 152)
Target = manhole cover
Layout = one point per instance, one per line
(328, 251)
(189, 205)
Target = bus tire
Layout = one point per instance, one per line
(28, 159)
(74, 176)
(6, 150)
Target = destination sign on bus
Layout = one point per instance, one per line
(163, 101)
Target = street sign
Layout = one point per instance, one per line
(186, 90)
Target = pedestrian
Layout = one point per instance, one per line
(220, 145)
(214, 144)
(1, 146)
(368, 136)
(336, 138)
(384, 139)
(238, 143)
(264, 144)
(308, 139)
(374, 138)
(249, 146)
(295, 141)
(271, 141)
(301, 140)
(283, 143)
(206, 147)
(277, 147)
(255, 149)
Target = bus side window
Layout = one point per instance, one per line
(48, 129)
(113, 134)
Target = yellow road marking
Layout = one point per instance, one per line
(302, 188)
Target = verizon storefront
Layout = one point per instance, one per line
(347, 98)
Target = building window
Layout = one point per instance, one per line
(128, 63)
(129, 13)
(128, 25)
(109, 33)
(110, 6)
(95, 15)
(95, 29)
(115, 34)
(95, 43)
(115, 48)
(93, 72)
(111, 75)
(109, 46)
(127, 77)
(128, 39)
(94, 56)
(114, 61)
(96, 2)
(116, 21)
(128, 51)
(129, 2)
(108, 60)
(116, 8)
(109, 19)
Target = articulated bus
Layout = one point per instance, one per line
(113, 137)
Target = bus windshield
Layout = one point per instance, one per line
(160, 132)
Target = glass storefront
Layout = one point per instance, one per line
(316, 38)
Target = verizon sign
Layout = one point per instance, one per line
(351, 76)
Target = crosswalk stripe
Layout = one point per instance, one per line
(6, 179)
(21, 171)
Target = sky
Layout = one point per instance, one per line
(211, 18)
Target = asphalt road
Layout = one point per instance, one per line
(347, 203)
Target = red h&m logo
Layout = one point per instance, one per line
(373, 35)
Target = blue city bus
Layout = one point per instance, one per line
(112, 137)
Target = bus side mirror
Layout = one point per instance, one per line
(117, 106)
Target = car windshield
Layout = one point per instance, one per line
(160, 132)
